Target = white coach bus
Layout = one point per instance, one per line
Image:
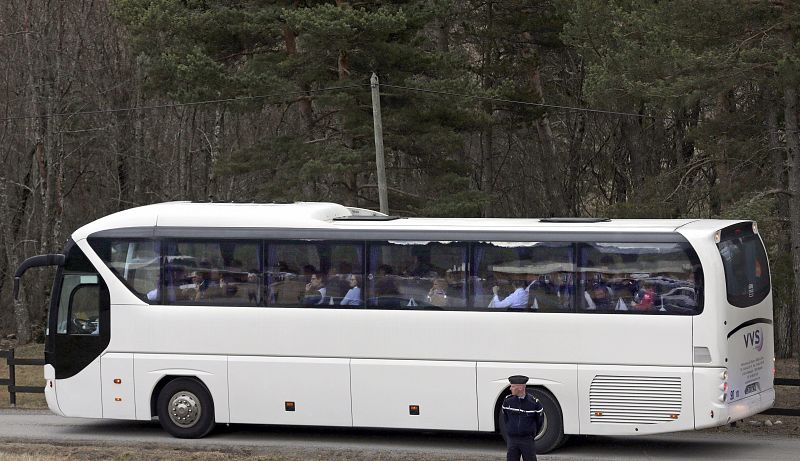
(319, 314)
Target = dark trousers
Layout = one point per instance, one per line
(520, 446)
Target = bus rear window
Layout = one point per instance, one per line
(746, 268)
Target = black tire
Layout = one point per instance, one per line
(551, 434)
(185, 409)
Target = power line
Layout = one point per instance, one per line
(567, 108)
(182, 104)
(346, 87)
(512, 101)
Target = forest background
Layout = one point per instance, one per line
(111, 104)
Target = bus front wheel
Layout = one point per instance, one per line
(185, 409)
(551, 434)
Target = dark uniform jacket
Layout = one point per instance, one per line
(523, 416)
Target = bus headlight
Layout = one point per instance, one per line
(724, 375)
(721, 397)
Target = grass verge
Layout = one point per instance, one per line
(26, 375)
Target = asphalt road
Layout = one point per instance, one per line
(42, 426)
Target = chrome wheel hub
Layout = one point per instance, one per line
(184, 409)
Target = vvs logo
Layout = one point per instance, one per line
(754, 339)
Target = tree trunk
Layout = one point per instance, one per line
(487, 173)
(547, 141)
(304, 103)
(442, 35)
(783, 301)
(211, 188)
(793, 152)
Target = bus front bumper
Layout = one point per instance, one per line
(50, 389)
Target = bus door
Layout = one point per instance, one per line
(79, 331)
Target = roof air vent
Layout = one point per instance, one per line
(367, 218)
(574, 220)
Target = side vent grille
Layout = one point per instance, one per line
(634, 399)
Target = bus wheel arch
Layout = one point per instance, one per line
(553, 436)
(189, 396)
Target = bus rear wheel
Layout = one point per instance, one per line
(551, 434)
(185, 409)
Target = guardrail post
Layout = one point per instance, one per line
(12, 379)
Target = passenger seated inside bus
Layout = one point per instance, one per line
(645, 298)
(623, 289)
(562, 289)
(338, 281)
(315, 292)
(386, 292)
(437, 295)
(199, 286)
(518, 299)
(353, 296)
(598, 297)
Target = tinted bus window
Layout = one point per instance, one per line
(409, 275)
(216, 273)
(83, 297)
(523, 275)
(314, 274)
(135, 262)
(639, 278)
(747, 275)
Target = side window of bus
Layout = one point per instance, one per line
(536, 276)
(134, 261)
(314, 274)
(410, 275)
(639, 278)
(212, 273)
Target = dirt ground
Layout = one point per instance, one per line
(60, 452)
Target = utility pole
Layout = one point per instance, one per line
(378, 128)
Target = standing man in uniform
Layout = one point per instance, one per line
(523, 416)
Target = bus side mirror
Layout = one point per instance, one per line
(36, 261)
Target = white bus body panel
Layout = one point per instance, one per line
(50, 390)
(620, 400)
(444, 391)
(558, 379)
(211, 370)
(709, 408)
(429, 337)
(403, 335)
(82, 393)
(118, 398)
(261, 386)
